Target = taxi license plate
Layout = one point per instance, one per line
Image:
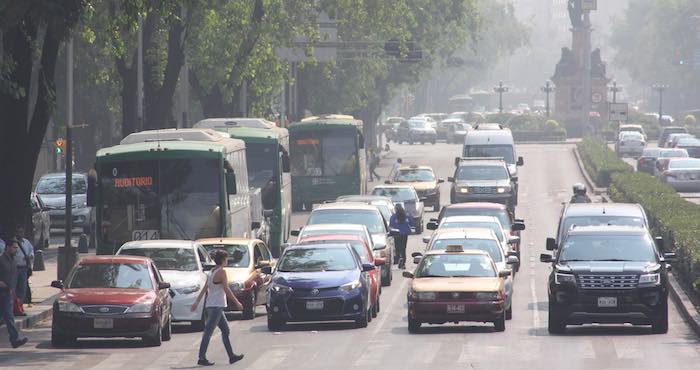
(103, 323)
(607, 301)
(455, 308)
(314, 305)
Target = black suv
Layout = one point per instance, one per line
(608, 274)
(479, 179)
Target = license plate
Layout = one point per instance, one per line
(607, 301)
(314, 305)
(455, 308)
(103, 323)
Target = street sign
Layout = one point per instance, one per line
(589, 5)
(596, 97)
(618, 112)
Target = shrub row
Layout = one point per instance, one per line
(558, 134)
(600, 161)
(670, 216)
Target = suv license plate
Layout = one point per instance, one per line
(314, 305)
(103, 323)
(455, 308)
(607, 301)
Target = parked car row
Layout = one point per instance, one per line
(430, 127)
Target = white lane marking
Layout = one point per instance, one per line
(271, 358)
(384, 314)
(373, 354)
(535, 303)
(464, 354)
(114, 361)
(425, 353)
(627, 349)
(168, 359)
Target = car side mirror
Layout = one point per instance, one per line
(208, 266)
(163, 285)
(262, 263)
(379, 261)
(367, 267)
(451, 179)
(407, 274)
(440, 181)
(378, 247)
(517, 226)
(394, 232)
(230, 183)
(504, 273)
(426, 239)
(432, 225)
(255, 225)
(416, 260)
(57, 284)
(520, 161)
(266, 270)
(294, 232)
(457, 160)
(551, 244)
(512, 260)
(546, 258)
(513, 240)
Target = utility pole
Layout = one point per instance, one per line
(547, 89)
(586, 99)
(500, 89)
(660, 88)
(67, 254)
(139, 76)
(615, 89)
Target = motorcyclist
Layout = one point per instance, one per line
(580, 195)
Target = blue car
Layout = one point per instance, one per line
(319, 282)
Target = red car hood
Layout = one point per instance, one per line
(108, 296)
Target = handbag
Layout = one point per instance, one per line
(26, 259)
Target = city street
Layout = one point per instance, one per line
(545, 182)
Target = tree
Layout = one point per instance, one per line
(32, 32)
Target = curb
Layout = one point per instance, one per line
(31, 320)
(589, 181)
(684, 304)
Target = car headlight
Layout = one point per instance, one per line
(564, 278)
(488, 296)
(425, 296)
(349, 287)
(188, 289)
(66, 306)
(502, 189)
(650, 279)
(236, 286)
(464, 190)
(281, 289)
(140, 308)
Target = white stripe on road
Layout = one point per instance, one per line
(169, 359)
(373, 354)
(271, 358)
(533, 296)
(114, 361)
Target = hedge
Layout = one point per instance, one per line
(539, 135)
(670, 216)
(600, 161)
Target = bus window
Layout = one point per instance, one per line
(339, 157)
(307, 159)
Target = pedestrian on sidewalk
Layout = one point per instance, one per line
(395, 168)
(8, 280)
(23, 260)
(373, 163)
(216, 290)
(399, 220)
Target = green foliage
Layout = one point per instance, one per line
(600, 161)
(672, 217)
(558, 134)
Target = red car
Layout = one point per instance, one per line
(511, 225)
(112, 296)
(366, 255)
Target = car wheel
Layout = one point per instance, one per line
(156, 339)
(436, 205)
(362, 321)
(374, 308)
(660, 323)
(249, 307)
(509, 313)
(59, 339)
(556, 324)
(274, 324)
(386, 276)
(379, 306)
(167, 330)
(370, 313)
(413, 325)
(500, 323)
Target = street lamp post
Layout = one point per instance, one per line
(660, 88)
(547, 89)
(500, 89)
(615, 89)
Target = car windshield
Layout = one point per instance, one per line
(503, 151)
(458, 115)
(500, 214)
(607, 248)
(357, 245)
(651, 152)
(631, 135)
(372, 219)
(602, 220)
(487, 245)
(238, 255)
(397, 194)
(179, 259)
(57, 185)
(307, 233)
(418, 124)
(419, 175)
(455, 265)
(482, 173)
(677, 153)
(316, 260)
(496, 227)
(110, 275)
(684, 163)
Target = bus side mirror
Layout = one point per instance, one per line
(520, 161)
(551, 244)
(230, 183)
(285, 163)
(91, 189)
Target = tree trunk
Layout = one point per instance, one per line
(129, 96)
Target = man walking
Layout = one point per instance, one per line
(23, 260)
(8, 280)
(395, 168)
(373, 163)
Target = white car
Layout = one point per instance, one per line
(682, 174)
(480, 222)
(182, 263)
(630, 143)
(479, 239)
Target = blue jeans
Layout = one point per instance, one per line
(215, 317)
(22, 283)
(8, 316)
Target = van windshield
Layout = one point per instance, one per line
(504, 151)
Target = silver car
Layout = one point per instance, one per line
(51, 190)
(407, 196)
(682, 174)
(630, 143)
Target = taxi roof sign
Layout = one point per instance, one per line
(454, 248)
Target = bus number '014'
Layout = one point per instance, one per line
(145, 235)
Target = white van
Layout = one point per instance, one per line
(493, 143)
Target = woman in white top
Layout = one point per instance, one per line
(218, 289)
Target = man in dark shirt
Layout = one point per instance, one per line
(8, 280)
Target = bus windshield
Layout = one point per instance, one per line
(324, 154)
(504, 151)
(263, 162)
(160, 199)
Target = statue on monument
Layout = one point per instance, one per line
(567, 63)
(575, 13)
(597, 64)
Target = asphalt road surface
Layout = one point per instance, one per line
(546, 180)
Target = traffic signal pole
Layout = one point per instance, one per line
(67, 255)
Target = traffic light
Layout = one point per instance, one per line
(60, 146)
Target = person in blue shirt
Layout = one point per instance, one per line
(401, 222)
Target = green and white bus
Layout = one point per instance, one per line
(267, 152)
(327, 159)
(170, 184)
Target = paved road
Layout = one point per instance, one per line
(546, 178)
